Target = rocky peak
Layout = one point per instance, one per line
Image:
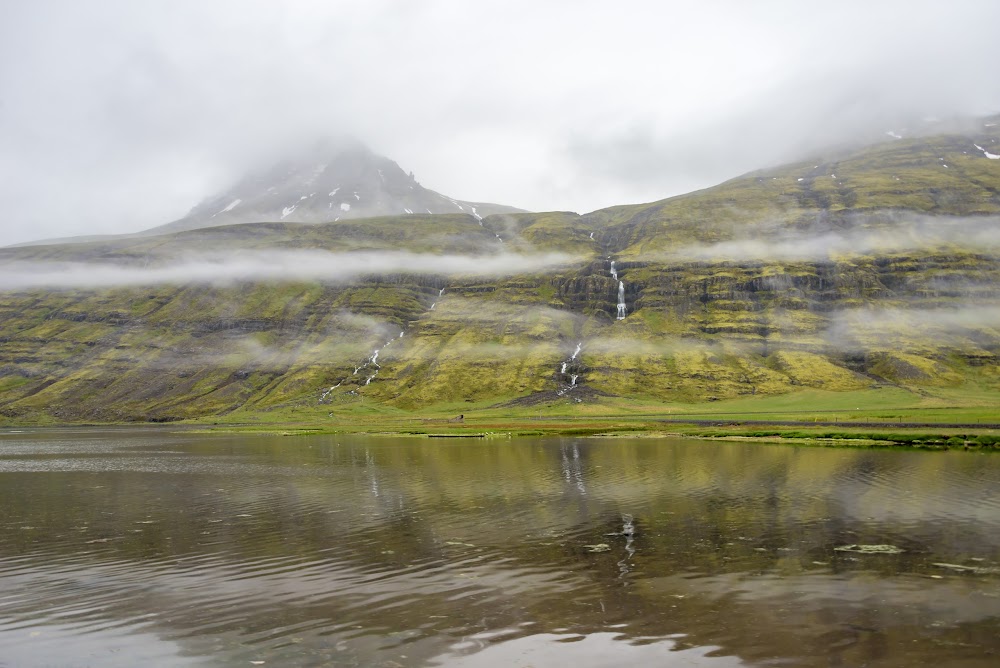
(328, 182)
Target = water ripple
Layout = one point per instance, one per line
(329, 550)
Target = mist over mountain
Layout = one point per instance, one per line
(331, 181)
(864, 268)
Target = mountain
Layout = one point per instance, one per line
(331, 181)
(872, 271)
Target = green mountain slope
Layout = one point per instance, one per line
(877, 267)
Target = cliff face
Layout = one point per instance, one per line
(874, 268)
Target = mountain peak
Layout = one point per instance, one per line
(330, 180)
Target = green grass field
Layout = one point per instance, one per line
(865, 417)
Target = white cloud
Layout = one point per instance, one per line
(902, 233)
(299, 265)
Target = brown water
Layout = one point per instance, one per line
(125, 548)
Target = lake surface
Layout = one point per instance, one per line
(147, 547)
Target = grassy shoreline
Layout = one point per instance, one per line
(812, 417)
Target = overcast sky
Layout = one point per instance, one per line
(118, 115)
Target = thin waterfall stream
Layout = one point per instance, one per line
(571, 369)
(622, 309)
(372, 361)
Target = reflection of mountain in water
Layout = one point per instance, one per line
(334, 548)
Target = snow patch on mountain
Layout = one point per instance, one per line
(460, 207)
(232, 205)
(288, 190)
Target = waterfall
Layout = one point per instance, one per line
(329, 390)
(566, 366)
(621, 292)
(373, 360)
(440, 292)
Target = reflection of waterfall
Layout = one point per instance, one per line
(572, 468)
(371, 469)
(567, 368)
(628, 530)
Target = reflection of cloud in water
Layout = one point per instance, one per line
(596, 650)
(827, 599)
(65, 644)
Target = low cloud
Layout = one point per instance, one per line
(902, 234)
(880, 328)
(270, 266)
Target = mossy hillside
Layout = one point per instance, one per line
(894, 175)
(185, 351)
(472, 349)
(715, 330)
(555, 231)
(203, 350)
(440, 233)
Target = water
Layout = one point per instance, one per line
(564, 369)
(146, 547)
(621, 301)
